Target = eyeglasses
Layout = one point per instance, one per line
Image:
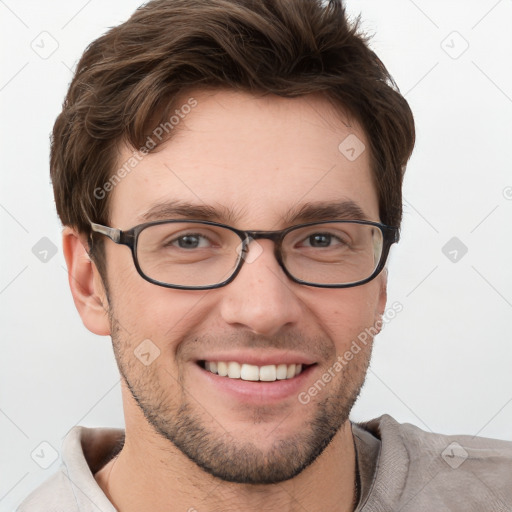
(201, 255)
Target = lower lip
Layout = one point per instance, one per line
(257, 392)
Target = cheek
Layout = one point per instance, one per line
(344, 314)
(135, 303)
(147, 311)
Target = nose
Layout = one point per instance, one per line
(261, 297)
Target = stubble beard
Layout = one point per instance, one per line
(218, 452)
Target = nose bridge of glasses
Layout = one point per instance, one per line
(273, 236)
(254, 236)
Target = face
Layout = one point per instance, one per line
(255, 162)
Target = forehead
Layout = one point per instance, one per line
(251, 159)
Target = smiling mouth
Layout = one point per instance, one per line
(250, 372)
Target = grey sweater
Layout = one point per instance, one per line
(402, 468)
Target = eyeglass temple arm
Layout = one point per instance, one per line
(113, 233)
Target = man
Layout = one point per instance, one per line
(229, 177)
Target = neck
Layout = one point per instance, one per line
(152, 474)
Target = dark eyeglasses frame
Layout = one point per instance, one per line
(129, 237)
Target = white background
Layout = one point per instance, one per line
(444, 362)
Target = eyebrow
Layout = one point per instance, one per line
(181, 209)
(308, 212)
(320, 211)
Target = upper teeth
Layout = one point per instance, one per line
(268, 373)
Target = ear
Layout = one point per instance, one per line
(85, 283)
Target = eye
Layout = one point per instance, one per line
(321, 240)
(190, 241)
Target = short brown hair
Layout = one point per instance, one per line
(129, 80)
